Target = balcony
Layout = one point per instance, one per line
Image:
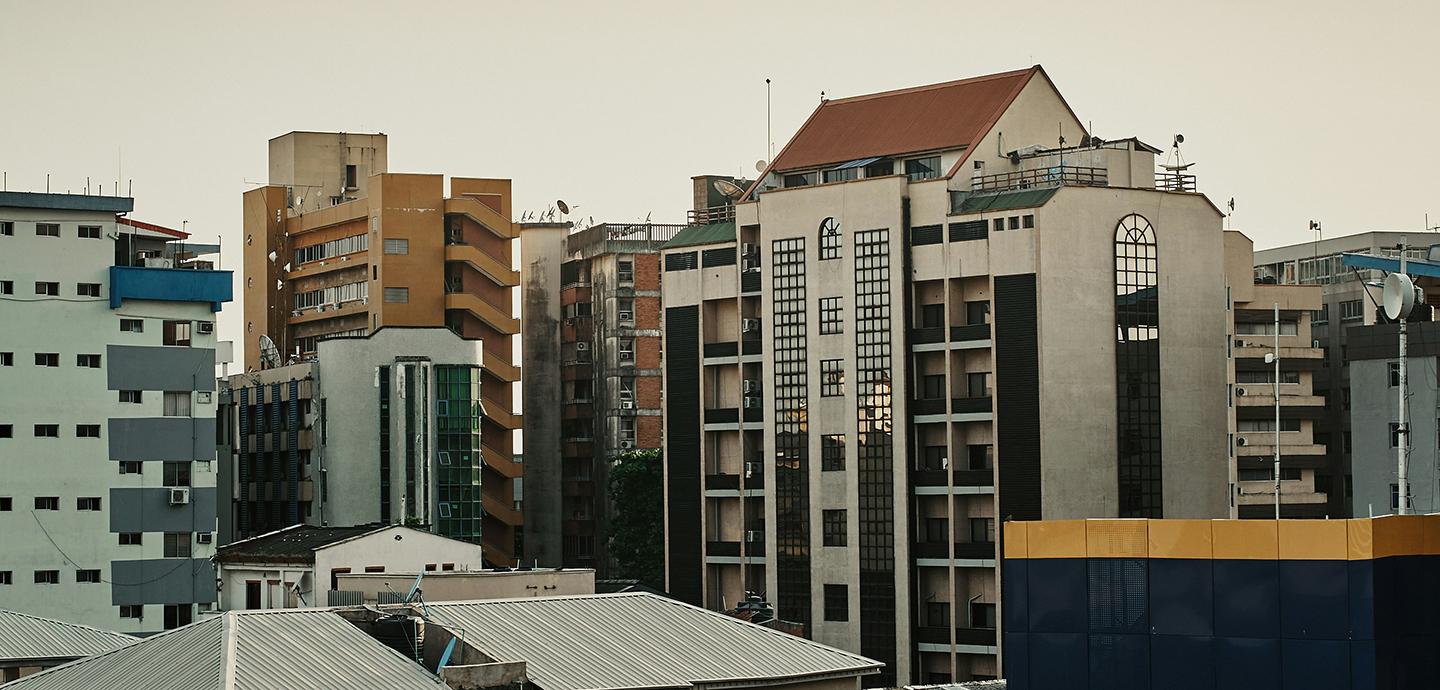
(749, 282)
(722, 415)
(169, 285)
(722, 482)
(722, 548)
(979, 637)
(723, 349)
(958, 477)
(963, 550)
(711, 214)
(1052, 176)
(936, 406)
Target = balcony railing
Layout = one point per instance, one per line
(725, 349)
(729, 482)
(927, 406)
(722, 415)
(959, 478)
(963, 550)
(958, 334)
(712, 214)
(722, 548)
(982, 637)
(1174, 182)
(1053, 176)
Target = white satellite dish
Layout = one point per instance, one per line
(760, 165)
(729, 189)
(269, 354)
(1400, 296)
(273, 257)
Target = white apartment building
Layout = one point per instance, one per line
(107, 414)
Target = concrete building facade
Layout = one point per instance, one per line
(908, 334)
(107, 414)
(592, 323)
(385, 249)
(385, 428)
(1251, 392)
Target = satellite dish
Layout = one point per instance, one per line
(287, 268)
(1400, 296)
(279, 285)
(729, 189)
(564, 207)
(273, 257)
(269, 354)
(1179, 139)
(760, 165)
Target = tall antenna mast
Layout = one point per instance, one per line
(1403, 471)
(769, 141)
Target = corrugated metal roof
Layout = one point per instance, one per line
(296, 543)
(23, 636)
(1005, 201)
(245, 650)
(67, 202)
(693, 235)
(636, 640)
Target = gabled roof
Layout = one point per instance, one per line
(638, 640)
(950, 115)
(296, 543)
(23, 636)
(243, 650)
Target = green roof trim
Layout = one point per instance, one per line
(693, 235)
(1004, 201)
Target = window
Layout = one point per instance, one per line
(47, 288)
(685, 261)
(982, 615)
(351, 173)
(1352, 310)
(837, 602)
(977, 385)
(89, 232)
(977, 312)
(799, 179)
(625, 270)
(397, 295)
(6, 504)
(7, 287)
(982, 530)
(131, 467)
(841, 174)
(88, 576)
(47, 503)
(880, 168)
(1394, 435)
(1265, 328)
(87, 503)
(627, 429)
(922, 168)
(932, 458)
(1137, 368)
(177, 404)
(926, 234)
(932, 387)
(627, 350)
(177, 474)
(337, 247)
(1027, 221)
(130, 397)
(47, 229)
(177, 333)
(1394, 374)
(132, 326)
(1254, 425)
(90, 361)
(830, 237)
(374, 568)
(130, 538)
(937, 614)
(47, 577)
(625, 310)
(833, 522)
(397, 246)
(135, 611)
(999, 224)
(7, 577)
(7, 431)
(177, 544)
(47, 359)
(47, 431)
(1014, 222)
(832, 378)
(7, 228)
(932, 316)
(832, 452)
(831, 321)
(177, 615)
(7, 359)
(87, 289)
(1321, 315)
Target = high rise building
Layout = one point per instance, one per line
(107, 414)
(1346, 303)
(592, 359)
(1252, 387)
(940, 307)
(339, 246)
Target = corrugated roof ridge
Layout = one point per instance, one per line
(261, 536)
(929, 87)
(804, 641)
(68, 624)
(102, 655)
(229, 641)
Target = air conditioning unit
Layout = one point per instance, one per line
(751, 403)
(627, 445)
(1241, 441)
(750, 325)
(754, 535)
(582, 346)
(205, 327)
(179, 497)
(748, 264)
(627, 316)
(204, 537)
(627, 356)
(1239, 392)
(627, 404)
(751, 386)
(748, 250)
(158, 262)
(753, 469)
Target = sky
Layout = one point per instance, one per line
(1299, 111)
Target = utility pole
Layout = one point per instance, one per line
(1403, 430)
(1276, 388)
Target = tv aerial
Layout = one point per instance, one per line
(729, 189)
(269, 354)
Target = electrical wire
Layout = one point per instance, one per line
(78, 565)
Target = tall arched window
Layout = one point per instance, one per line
(830, 238)
(1137, 368)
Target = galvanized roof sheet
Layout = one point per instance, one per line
(245, 650)
(693, 235)
(1005, 201)
(296, 543)
(636, 640)
(23, 636)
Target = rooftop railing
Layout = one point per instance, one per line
(712, 214)
(1053, 176)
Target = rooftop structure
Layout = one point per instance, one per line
(29, 644)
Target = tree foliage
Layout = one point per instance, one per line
(637, 520)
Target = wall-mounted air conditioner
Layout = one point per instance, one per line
(179, 496)
(751, 403)
(627, 316)
(205, 327)
(627, 404)
(753, 469)
(627, 445)
(754, 535)
(750, 325)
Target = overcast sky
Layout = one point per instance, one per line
(1298, 110)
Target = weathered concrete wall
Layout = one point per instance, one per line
(542, 250)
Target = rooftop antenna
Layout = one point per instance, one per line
(1175, 162)
(1231, 206)
(269, 354)
(1400, 297)
(769, 140)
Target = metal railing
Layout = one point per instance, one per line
(1174, 182)
(1053, 176)
(712, 214)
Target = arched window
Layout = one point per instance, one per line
(1137, 368)
(830, 238)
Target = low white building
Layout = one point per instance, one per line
(299, 566)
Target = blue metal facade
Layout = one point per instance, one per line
(169, 285)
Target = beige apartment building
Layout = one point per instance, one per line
(337, 246)
(941, 307)
(1304, 484)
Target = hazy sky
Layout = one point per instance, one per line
(1298, 110)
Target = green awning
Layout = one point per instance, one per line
(1004, 201)
(714, 233)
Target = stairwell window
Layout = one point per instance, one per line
(397, 246)
(47, 577)
(47, 503)
(47, 359)
(47, 431)
(397, 295)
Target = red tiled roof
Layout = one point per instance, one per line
(951, 115)
(151, 227)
